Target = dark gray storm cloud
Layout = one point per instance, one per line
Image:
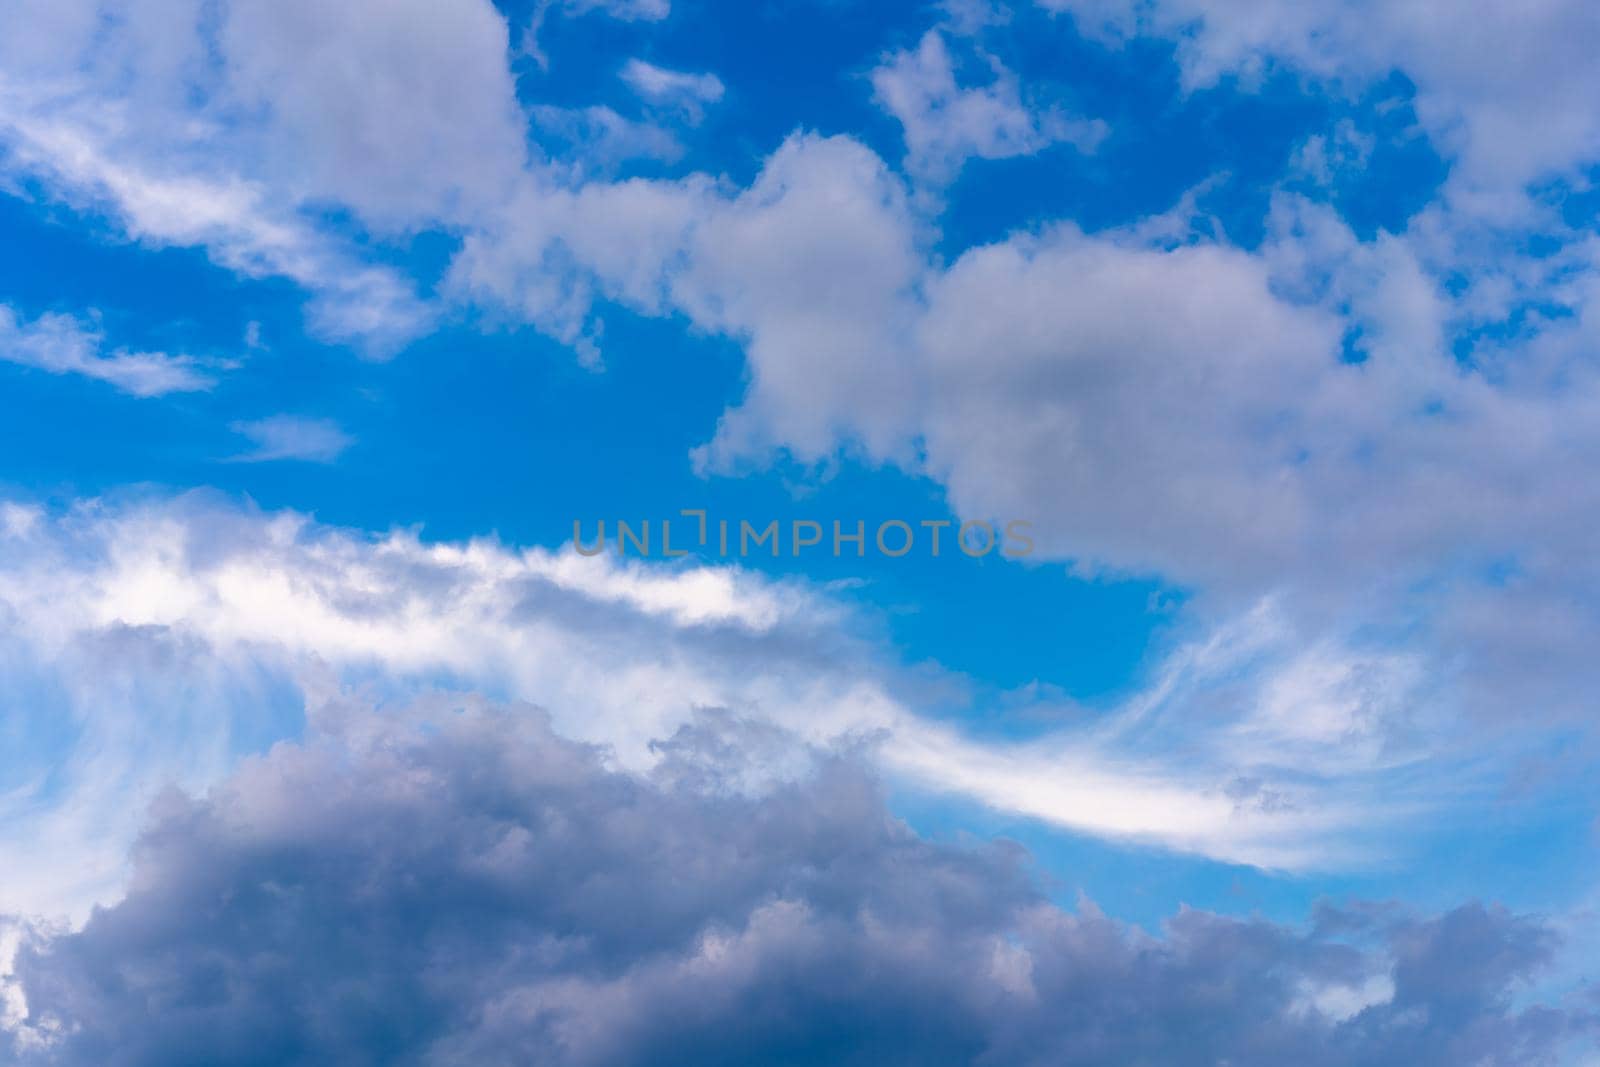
(453, 884)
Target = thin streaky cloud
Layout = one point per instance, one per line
(292, 437)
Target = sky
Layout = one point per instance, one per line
(1260, 340)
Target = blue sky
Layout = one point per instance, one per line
(321, 325)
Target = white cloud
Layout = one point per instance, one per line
(1342, 1001)
(155, 643)
(559, 248)
(1152, 398)
(406, 111)
(1160, 383)
(1481, 68)
(814, 267)
(660, 83)
(293, 437)
(71, 151)
(686, 92)
(946, 124)
(402, 111)
(170, 634)
(234, 127)
(61, 344)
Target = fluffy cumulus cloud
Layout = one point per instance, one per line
(449, 882)
(409, 111)
(1156, 398)
(812, 267)
(401, 111)
(1242, 444)
(1153, 398)
(1328, 417)
(1129, 365)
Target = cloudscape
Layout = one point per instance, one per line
(620, 532)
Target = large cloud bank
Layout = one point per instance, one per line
(449, 882)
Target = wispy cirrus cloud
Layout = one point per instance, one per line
(627, 10)
(1241, 748)
(292, 437)
(64, 344)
